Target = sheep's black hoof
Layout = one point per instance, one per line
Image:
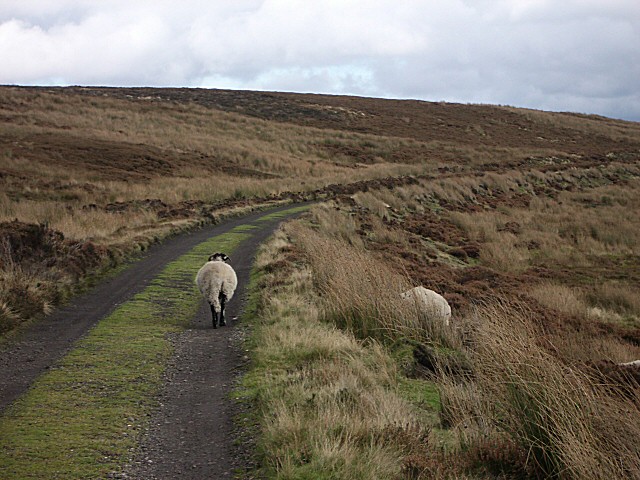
(223, 323)
(214, 325)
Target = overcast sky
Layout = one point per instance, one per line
(561, 55)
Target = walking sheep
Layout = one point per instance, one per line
(217, 282)
(434, 305)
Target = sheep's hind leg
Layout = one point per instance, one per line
(223, 301)
(214, 317)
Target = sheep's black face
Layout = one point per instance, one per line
(218, 257)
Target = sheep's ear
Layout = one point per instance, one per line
(225, 258)
(213, 257)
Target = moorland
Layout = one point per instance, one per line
(527, 222)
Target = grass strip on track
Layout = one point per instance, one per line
(82, 419)
(284, 213)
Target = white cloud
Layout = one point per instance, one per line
(575, 54)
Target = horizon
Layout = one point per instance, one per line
(577, 57)
(567, 112)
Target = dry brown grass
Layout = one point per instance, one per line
(530, 405)
(570, 426)
(543, 207)
(360, 292)
(24, 295)
(524, 409)
(65, 158)
(560, 297)
(589, 125)
(554, 420)
(195, 153)
(373, 204)
(201, 140)
(328, 402)
(574, 229)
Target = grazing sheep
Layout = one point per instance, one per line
(429, 302)
(217, 282)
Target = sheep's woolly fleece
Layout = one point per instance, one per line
(214, 278)
(429, 302)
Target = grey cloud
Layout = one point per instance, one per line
(575, 55)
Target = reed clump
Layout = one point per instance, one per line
(570, 425)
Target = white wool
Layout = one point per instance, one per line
(216, 277)
(635, 363)
(429, 302)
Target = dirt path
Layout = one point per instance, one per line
(192, 434)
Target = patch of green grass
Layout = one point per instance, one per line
(249, 389)
(425, 396)
(244, 228)
(423, 393)
(284, 213)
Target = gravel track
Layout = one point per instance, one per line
(192, 435)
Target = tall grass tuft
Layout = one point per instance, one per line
(568, 424)
(22, 296)
(618, 297)
(358, 293)
(560, 297)
(361, 292)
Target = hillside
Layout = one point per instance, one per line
(107, 168)
(526, 221)
(473, 125)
